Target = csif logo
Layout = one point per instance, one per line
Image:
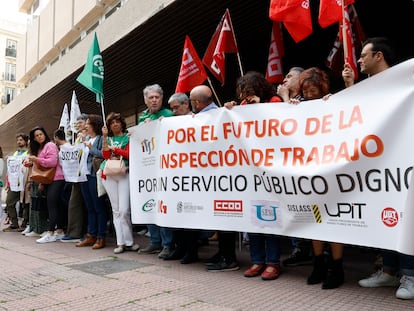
(148, 145)
(148, 206)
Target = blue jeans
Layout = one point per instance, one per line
(161, 235)
(264, 248)
(394, 261)
(95, 206)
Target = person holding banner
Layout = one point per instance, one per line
(116, 145)
(377, 56)
(314, 84)
(253, 88)
(264, 248)
(161, 237)
(201, 99)
(290, 88)
(16, 185)
(186, 249)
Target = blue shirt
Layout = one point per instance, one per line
(209, 107)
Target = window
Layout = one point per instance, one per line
(11, 48)
(10, 72)
(9, 93)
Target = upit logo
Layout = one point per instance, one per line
(228, 206)
(162, 208)
(389, 217)
(148, 145)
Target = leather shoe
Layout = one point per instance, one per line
(271, 272)
(100, 243)
(89, 241)
(175, 255)
(189, 259)
(254, 270)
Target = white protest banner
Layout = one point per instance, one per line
(336, 170)
(15, 174)
(73, 161)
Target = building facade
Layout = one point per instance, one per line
(11, 33)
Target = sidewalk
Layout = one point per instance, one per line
(60, 276)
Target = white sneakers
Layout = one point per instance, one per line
(47, 238)
(50, 237)
(406, 289)
(26, 230)
(381, 279)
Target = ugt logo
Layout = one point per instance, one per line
(148, 146)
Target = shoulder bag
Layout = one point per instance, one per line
(42, 175)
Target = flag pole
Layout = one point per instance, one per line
(240, 65)
(103, 110)
(214, 92)
(344, 41)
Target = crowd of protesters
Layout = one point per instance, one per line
(78, 212)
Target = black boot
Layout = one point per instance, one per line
(319, 270)
(334, 276)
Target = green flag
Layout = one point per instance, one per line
(93, 73)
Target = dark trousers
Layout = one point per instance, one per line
(77, 214)
(227, 245)
(11, 200)
(55, 205)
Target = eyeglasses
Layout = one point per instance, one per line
(363, 55)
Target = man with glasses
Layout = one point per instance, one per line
(377, 56)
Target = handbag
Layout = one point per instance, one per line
(42, 175)
(96, 163)
(115, 167)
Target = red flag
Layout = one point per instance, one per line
(295, 15)
(192, 71)
(335, 59)
(350, 55)
(330, 11)
(223, 41)
(274, 71)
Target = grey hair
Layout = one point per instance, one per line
(83, 116)
(180, 97)
(153, 88)
(299, 69)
